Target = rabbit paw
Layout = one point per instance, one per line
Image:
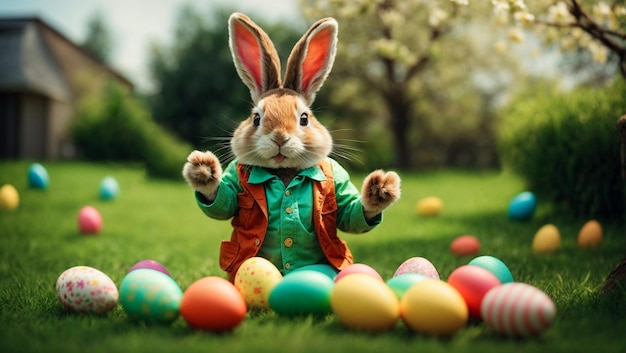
(203, 172)
(380, 190)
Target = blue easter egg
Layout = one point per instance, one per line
(495, 266)
(38, 176)
(109, 188)
(522, 206)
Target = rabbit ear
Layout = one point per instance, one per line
(254, 54)
(312, 58)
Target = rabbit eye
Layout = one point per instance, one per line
(304, 119)
(256, 119)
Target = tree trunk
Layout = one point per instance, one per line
(399, 108)
(619, 271)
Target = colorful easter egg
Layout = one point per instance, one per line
(590, 234)
(433, 307)
(89, 220)
(401, 283)
(547, 239)
(473, 283)
(495, 266)
(325, 269)
(429, 206)
(109, 188)
(38, 176)
(518, 310)
(9, 197)
(302, 293)
(255, 280)
(465, 245)
(213, 304)
(150, 264)
(85, 289)
(150, 296)
(522, 206)
(358, 268)
(362, 302)
(419, 265)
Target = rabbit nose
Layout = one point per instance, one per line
(280, 139)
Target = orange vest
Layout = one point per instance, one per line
(250, 223)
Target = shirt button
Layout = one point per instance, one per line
(288, 242)
(287, 265)
(288, 210)
(288, 192)
(257, 241)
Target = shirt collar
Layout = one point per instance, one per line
(259, 175)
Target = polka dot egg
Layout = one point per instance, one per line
(151, 296)
(85, 289)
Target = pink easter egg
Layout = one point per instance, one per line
(89, 220)
(417, 265)
(473, 283)
(358, 268)
(151, 265)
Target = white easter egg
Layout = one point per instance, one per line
(518, 309)
(85, 289)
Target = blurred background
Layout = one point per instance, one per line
(535, 87)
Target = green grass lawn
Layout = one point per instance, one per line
(159, 220)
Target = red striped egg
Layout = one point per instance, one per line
(518, 310)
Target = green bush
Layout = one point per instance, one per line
(566, 146)
(114, 126)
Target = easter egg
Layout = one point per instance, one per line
(417, 265)
(522, 206)
(150, 264)
(465, 245)
(150, 296)
(362, 302)
(85, 289)
(89, 220)
(518, 310)
(547, 239)
(109, 188)
(213, 304)
(429, 206)
(495, 266)
(325, 269)
(473, 283)
(255, 280)
(590, 234)
(38, 176)
(358, 268)
(401, 283)
(302, 293)
(433, 307)
(9, 197)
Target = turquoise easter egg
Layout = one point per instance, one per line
(328, 270)
(38, 176)
(109, 188)
(495, 266)
(522, 206)
(302, 293)
(401, 283)
(150, 295)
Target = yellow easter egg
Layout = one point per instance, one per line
(9, 198)
(255, 279)
(547, 239)
(590, 235)
(433, 307)
(429, 206)
(363, 302)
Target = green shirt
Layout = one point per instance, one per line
(290, 241)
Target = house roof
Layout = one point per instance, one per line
(27, 64)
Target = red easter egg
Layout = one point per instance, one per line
(473, 283)
(465, 245)
(89, 220)
(214, 304)
(358, 268)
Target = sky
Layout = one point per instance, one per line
(134, 24)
